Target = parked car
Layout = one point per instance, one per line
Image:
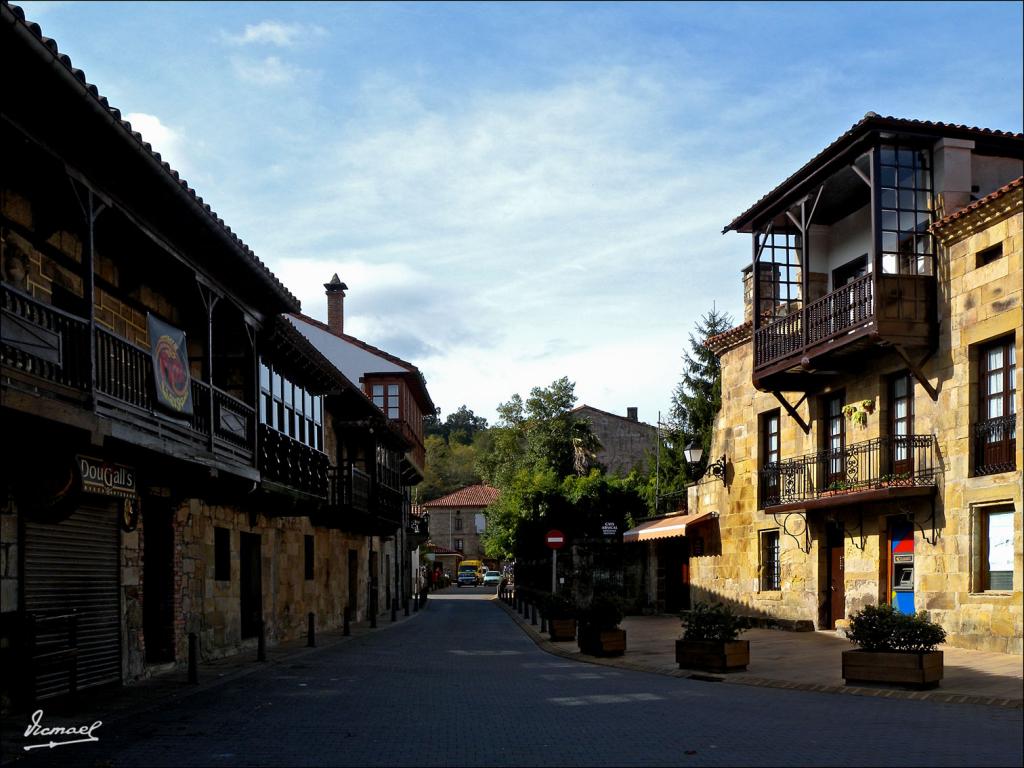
(492, 579)
(467, 579)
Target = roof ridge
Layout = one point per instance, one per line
(978, 204)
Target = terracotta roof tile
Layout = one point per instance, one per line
(1017, 183)
(93, 91)
(470, 496)
(729, 338)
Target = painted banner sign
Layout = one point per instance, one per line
(107, 478)
(171, 378)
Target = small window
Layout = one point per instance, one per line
(309, 558)
(221, 554)
(770, 571)
(990, 254)
(995, 528)
(458, 523)
(459, 544)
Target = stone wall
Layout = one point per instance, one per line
(976, 304)
(625, 443)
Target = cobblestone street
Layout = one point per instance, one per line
(461, 684)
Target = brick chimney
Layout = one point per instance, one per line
(631, 414)
(336, 305)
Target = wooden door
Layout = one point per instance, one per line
(901, 425)
(353, 582)
(250, 584)
(837, 586)
(158, 582)
(835, 442)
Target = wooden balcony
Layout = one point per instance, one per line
(48, 350)
(286, 462)
(357, 505)
(875, 470)
(830, 336)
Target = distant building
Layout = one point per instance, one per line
(457, 520)
(626, 442)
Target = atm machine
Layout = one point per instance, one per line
(901, 566)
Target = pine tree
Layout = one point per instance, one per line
(698, 396)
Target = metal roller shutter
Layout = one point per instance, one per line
(73, 565)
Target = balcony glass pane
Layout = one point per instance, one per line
(264, 376)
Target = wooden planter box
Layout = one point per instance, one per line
(918, 669)
(562, 629)
(606, 642)
(713, 655)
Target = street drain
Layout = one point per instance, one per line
(705, 678)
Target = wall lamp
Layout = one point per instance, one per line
(694, 453)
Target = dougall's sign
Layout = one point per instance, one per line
(106, 478)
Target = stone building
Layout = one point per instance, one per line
(626, 442)
(457, 520)
(868, 433)
(178, 458)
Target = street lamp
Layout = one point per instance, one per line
(694, 453)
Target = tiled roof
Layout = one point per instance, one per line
(470, 496)
(92, 92)
(1006, 189)
(730, 338)
(869, 122)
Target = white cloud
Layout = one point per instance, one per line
(267, 71)
(165, 139)
(274, 33)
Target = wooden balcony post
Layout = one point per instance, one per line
(209, 299)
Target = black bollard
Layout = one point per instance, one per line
(311, 631)
(405, 606)
(394, 609)
(373, 611)
(533, 615)
(193, 658)
(415, 602)
(543, 623)
(261, 642)
(346, 628)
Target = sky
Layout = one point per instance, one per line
(516, 192)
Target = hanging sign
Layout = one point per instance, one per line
(171, 378)
(609, 529)
(106, 478)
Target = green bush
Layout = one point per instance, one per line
(883, 628)
(557, 607)
(707, 621)
(603, 613)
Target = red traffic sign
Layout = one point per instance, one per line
(555, 539)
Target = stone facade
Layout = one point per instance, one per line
(978, 303)
(626, 442)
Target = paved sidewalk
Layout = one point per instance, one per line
(117, 703)
(808, 661)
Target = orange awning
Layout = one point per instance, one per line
(665, 528)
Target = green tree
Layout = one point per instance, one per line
(448, 468)
(698, 396)
(540, 433)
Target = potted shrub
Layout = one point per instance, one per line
(894, 647)
(711, 639)
(599, 633)
(560, 613)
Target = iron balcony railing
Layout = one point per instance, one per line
(885, 462)
(995, 445)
